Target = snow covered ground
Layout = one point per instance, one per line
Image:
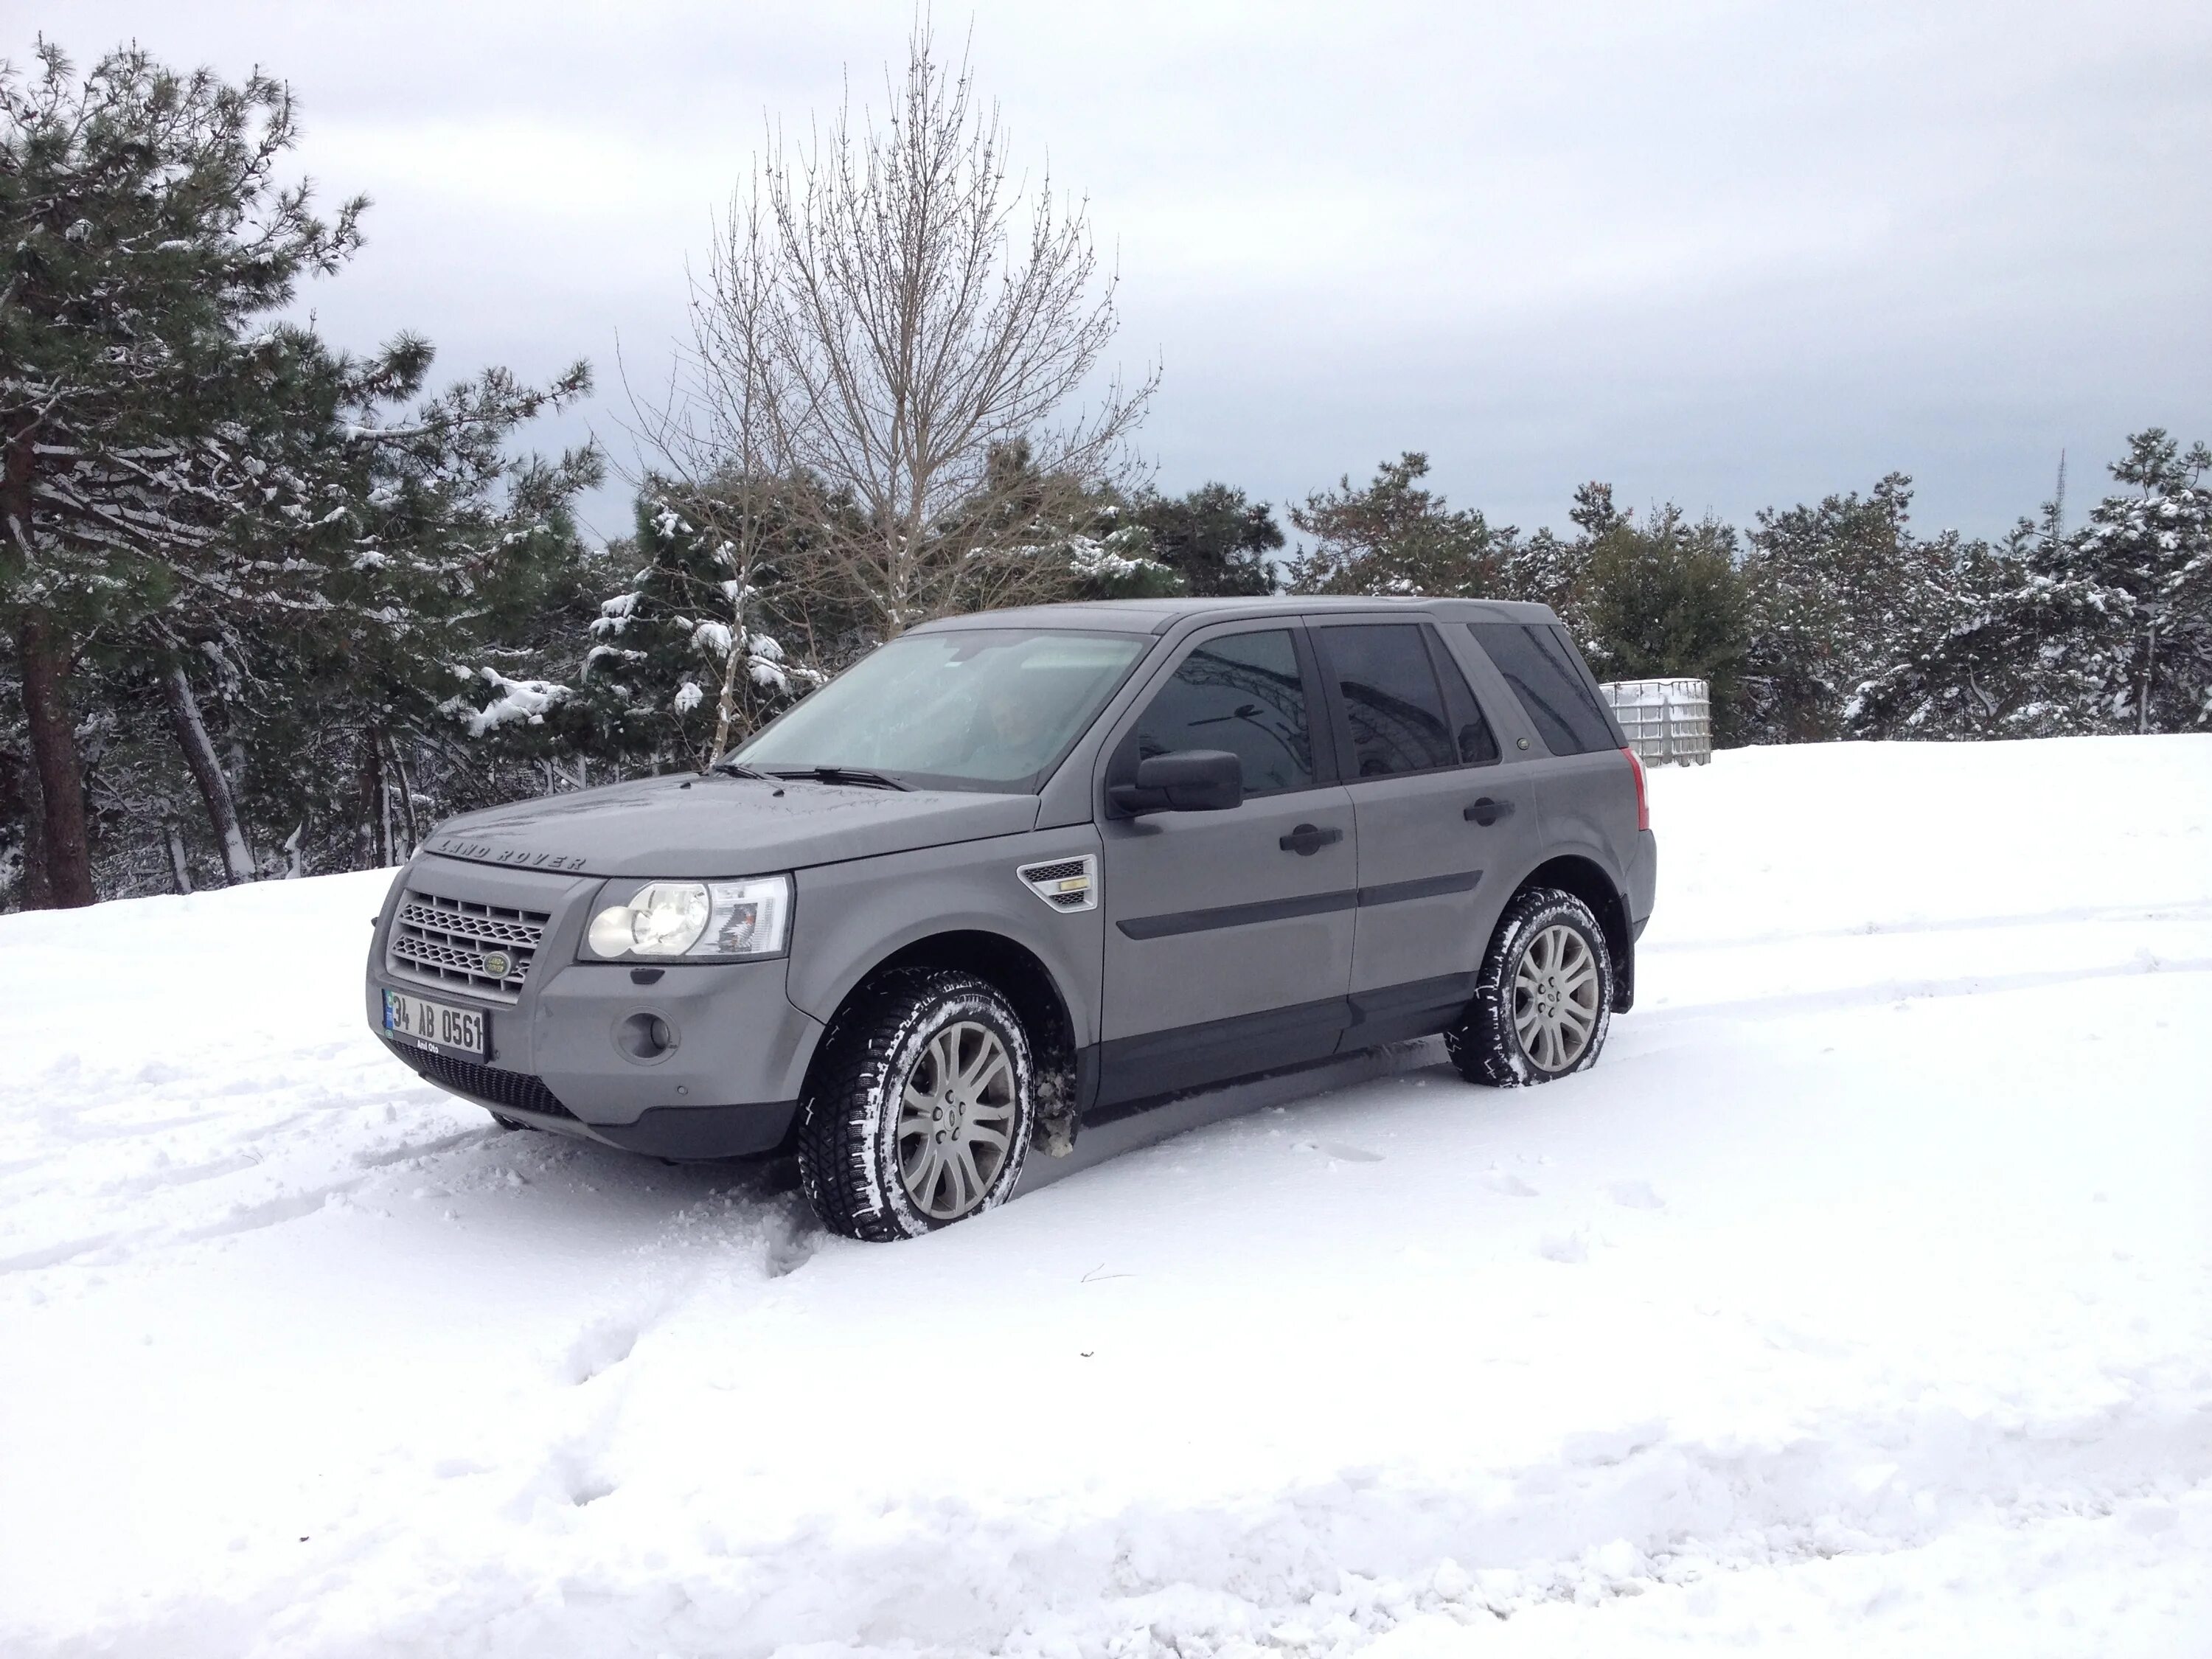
(1860, 1300)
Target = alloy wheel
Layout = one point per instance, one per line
(1555, 998)
(956, 1118)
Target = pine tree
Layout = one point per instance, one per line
(1113, 557)
(685, 660)
(1037, 537)
(1664, 600)
(2109, 630)
(1836, 594)
(1394, 537)
(1548, 568)
(1215, 540)
(226, 533)
(144, 234)
(440, 563)
(2144, 562)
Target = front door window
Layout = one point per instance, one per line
(1242, 693)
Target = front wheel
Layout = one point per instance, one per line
(1543, 998)
(920, 1110)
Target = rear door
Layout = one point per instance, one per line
(1229, 934)
(1586, 785)
(1444, 824)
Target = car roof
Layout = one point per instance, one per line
(1158, 616)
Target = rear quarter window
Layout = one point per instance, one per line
(1540, 663)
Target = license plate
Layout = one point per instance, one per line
(429, 1025)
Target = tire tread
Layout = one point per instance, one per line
(838, 1144)
(1483, 1045)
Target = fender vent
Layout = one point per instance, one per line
(1064, 883)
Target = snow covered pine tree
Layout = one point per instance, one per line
(2108, 630)
(213, 527)
(143, 229)
(683, 663)
(2144, 560)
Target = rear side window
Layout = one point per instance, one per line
(1391, 698)
(1539, 664)
(1478, 744)
(1242, 693)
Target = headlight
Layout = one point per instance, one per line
(705, 920)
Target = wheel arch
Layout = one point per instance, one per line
(1589, 881)
(1010, 967)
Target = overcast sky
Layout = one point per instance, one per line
(1731, 255)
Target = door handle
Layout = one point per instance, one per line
(1308, 839)
(1487, 812)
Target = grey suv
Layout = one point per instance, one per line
(1017, 873)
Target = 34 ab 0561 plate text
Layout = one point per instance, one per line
(437, 1024)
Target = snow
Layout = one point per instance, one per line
(1860, 1300)
(523, 702)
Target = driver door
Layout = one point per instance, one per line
(1228, 934)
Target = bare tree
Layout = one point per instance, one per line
(717, 443)
(890, 316)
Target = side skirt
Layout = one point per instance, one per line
(1156, 1065)
(1127, 1076)
(1158, 1119)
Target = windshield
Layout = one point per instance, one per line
(979, 708)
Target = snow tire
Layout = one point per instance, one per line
(1487, 1045)
(849, 1153)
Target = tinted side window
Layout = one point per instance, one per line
(1551, 685)
(1243, 694)
(1391, 698)
(1477, 743)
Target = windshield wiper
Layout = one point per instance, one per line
(737, 768)
(841, 774)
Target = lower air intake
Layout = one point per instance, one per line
(515, 1091)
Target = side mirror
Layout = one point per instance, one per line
(1188, 781)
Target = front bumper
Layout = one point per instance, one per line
(728, 1085)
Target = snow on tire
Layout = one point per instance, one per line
(1543, 998)
(919, 1112)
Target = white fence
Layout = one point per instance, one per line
(1664, 720)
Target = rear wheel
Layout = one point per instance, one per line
(919, 1110)
(1543, 998)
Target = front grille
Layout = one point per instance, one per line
(454, 943)
(516, 1090)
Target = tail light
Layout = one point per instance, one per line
(1642, 800)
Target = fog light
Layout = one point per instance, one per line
(645, 1036)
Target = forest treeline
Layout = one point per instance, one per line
(273, 607)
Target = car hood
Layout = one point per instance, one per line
(720, 825)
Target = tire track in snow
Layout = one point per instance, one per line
(1877, 995)
(270, 1150)
(2070, 915)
